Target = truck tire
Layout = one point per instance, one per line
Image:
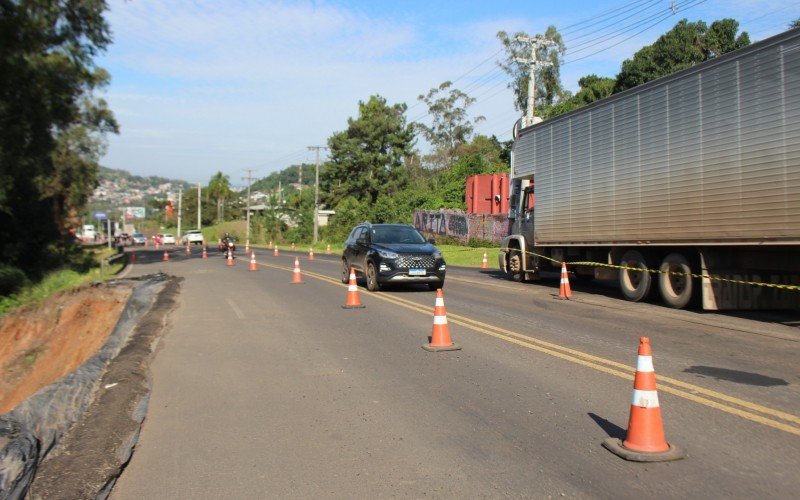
(514, 266)
(635, 285)
(674, 284)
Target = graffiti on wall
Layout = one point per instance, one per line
(461, 226)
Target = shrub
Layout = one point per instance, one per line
(12, 279)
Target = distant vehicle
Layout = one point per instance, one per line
(193, 236)
(88, 233)
(168, 239)
(227, 243)
(139, 239)
(392, 253)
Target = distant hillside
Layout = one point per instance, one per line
(119, 188)
(286, 178)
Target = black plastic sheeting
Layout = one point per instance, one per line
(33, 429)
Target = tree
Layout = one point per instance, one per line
(684, 45)
(795, 24)
(548, 80)
(46, 73)
(367, 159)
(593, 88)
(450, 127)
(219, 188)
(78, 149)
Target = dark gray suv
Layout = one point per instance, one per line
(392, 253)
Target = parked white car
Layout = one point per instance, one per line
(168, 239)
(193, 236)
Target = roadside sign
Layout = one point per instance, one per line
(99, 215)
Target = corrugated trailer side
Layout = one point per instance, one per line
(709, 155)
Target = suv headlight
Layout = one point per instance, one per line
(386, 254)
(437, 254)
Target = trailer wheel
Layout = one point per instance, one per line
(674, 283)
(515, 272)
(634, 284)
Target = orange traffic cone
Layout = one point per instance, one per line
(133, 257)
(270, 244)
(188, 250)
(276, 252)
(564, 291)
(230, 258)
(353, 297)
(166, 256)
(296, 278)
(205, 253)
(293, 247)
(156, 244)
(253, 265)
(645, 440)
(440, 336)
(247, 247)
(329, 248)
(484, 262)
(311, 253)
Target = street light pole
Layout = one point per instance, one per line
(316, 193)
(180, 202)
(198, 206)
(249, 179)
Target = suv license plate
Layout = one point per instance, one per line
(416, 272)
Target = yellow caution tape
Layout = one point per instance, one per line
(780, 286)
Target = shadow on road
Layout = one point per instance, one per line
(613, 430)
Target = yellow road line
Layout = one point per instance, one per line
(597, 363)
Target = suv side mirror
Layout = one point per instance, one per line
(431, 241)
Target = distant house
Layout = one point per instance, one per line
(323, 216)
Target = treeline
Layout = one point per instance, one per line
(51, 128)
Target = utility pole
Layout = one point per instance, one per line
(535, 43)
(316, 193)
(180, 204)
(249, 180)
(198, 206)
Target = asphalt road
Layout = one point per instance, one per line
(263, 388)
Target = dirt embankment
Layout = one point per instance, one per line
(43, 342)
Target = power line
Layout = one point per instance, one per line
(600, 17)
(632, 26)
(658, 21)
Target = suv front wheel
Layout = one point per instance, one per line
(345, 272)
(372, 278)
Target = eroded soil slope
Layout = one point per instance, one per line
(43, 342)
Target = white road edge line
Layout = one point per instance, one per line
(236, 309)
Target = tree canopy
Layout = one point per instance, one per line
(451, 126)
(368, 158)
(686, 44)
(52, 124)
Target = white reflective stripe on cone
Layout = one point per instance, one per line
(644, 364)
(352, 288)
(440, 320)
(645, 399)
(439, 301)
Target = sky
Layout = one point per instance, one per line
(201, 86)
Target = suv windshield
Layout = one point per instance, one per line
(396, 234)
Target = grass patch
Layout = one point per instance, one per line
(456, 255)
(61, 280)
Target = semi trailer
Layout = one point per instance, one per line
(687, 186)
